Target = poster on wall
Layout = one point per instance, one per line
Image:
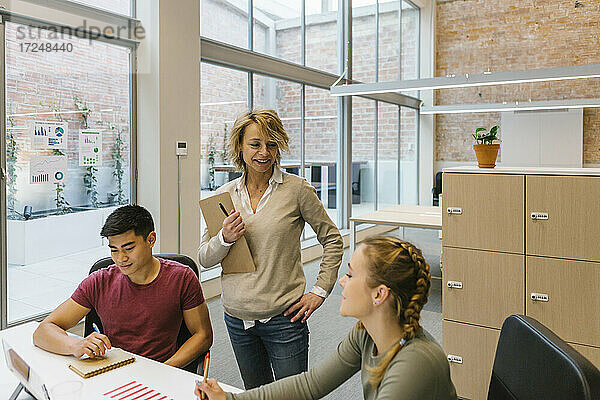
(49, 135)
(47, 169)
(90, 148)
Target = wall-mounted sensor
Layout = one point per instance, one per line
(181, 148)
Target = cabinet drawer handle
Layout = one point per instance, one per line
(454, 210)
(539, 216)
(539, 297)
(454, 284)
(454, 359)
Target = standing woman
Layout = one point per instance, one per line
(386, 287)
(266, 310)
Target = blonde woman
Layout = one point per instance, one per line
(266, 310)
(386, 288)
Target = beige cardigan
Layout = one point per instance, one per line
(273, 235)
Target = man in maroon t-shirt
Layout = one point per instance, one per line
(141, 300)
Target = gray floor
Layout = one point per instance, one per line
(326, 325)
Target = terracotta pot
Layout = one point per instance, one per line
(486, 154)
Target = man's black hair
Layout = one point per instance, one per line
(127, 218)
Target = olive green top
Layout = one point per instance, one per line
(419, 371)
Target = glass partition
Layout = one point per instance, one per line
(68, 107)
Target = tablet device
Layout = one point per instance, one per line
(28, 378)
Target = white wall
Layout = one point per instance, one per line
(169, 110)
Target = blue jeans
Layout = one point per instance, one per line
(278, 346)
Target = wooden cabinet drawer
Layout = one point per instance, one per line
(493, 285)
(571, 307)
(572, 206)
(476, 348)
(488, 211)
(591, 353)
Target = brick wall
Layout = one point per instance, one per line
(473, 36)
(97, 73)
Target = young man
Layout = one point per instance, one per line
(141, 300)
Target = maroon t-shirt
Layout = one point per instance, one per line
(142, 319)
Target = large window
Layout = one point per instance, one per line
(387, 155)
(283, 97)
(364, 47)
(321, 152)
(117, 6)
(224, 96)
(384, 47)
(277, 29)
(69, 160)
(225, 21)
(322, 35)
(363, 155)
(387, 32)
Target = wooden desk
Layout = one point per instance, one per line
(404, 215)
(52, 368)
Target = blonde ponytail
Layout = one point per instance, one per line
(400, 266)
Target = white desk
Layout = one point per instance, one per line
(53, 368)
(399, 215)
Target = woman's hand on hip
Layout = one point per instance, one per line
(233, 227)
(305, 306)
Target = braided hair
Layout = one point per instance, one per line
(400, 266)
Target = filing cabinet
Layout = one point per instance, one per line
(482, 287)
(517, 241)
(477, 198)
(471, 352)
(570, 302)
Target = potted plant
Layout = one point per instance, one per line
(486, 150)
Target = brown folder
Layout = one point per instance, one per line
(239, 259)
(113, 358)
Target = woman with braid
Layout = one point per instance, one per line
(386, 288)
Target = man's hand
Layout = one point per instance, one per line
(233, 227)
(94, 345)
(305, 306)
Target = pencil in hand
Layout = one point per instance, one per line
(206, 363)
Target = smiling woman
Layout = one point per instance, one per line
(266, 310)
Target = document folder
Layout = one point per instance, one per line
(239, 259)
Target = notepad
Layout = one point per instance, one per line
(113, 358)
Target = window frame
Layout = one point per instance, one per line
(131, 45)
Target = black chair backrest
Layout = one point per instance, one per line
(533, 363)
(184, 333)
(438, 182)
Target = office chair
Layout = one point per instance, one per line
(437, 189)
(533, 363)
(184, 333)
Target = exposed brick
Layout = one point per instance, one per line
(473, 36)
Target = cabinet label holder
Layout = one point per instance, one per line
(539, 297)
(539, 216)
(454, 284)
(454, 210)
(454, 359)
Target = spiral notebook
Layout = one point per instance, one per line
(113, 358)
